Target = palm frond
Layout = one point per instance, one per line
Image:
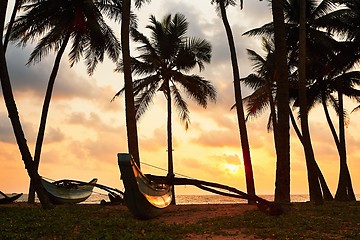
(143, 99)
(53, 21)
(139, 3)
(256, 104)
(356, 109)
(266, 31)
(110, 8)
(196, 88)
(226, 4)
(177, 28)
(51, 42)
(257, 61)
(323, 8)
(253, 81)
(194, 51)
(181, 106)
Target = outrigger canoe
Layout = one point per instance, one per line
(145, 198)
(68, 191)
(4, 199)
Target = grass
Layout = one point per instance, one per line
(335, 220)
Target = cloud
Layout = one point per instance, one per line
(26, 79)
(7, 132)
(230, 159)
(216, 138)
(157, 141)
(206, 169)
(54, 135)
(69, 84)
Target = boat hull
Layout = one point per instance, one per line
(143, 197)
(60, 193)
(10, 199)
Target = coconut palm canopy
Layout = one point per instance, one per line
(164, 61)
(85, 130)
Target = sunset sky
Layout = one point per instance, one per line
(85, 130)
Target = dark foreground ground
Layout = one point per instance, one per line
(332, 220)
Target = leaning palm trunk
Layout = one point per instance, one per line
(132, 135)
(44, 113)
(314, 186)
(344, 190)
(282, 134)
(14, 117)
(324, 187)
(239, 107)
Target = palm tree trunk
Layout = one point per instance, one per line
(314, 186)
(282, 134)
(44, 114)
(324, 187)
(169, 140)
(239, 107)
(329, 121)
(11, 23)
(344, 190)
(131, 128)
(14, 117)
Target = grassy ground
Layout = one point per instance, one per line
(302, 221)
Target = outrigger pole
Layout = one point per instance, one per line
(263, 204)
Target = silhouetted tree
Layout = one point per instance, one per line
(221, 7)
(14, 117)
(60, 22)
(163, 59)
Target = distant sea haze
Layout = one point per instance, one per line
(95, 198)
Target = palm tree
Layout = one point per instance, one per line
(280, 114)
(163, 59)
(281, 127)
(314, 186)
(333, 73)
(14, 117)
(317, 42)
(345, 22)
(121, 10)
(343, 82)
(263, 83)
(264, 86)
(132, 134)
(221, 5)
(60, 22)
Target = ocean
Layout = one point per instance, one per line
(95, 198)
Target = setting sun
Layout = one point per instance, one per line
(232, 168)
